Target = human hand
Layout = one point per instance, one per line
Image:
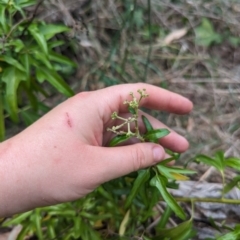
(64, 155)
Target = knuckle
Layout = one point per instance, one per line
(139, 158)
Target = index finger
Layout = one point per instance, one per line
(159, 98)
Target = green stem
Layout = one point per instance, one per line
(213, 200)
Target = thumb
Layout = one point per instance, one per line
(119, 161)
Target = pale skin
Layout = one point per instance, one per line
(64, 155)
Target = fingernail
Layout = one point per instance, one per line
(158, 154)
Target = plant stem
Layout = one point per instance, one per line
(213, 200)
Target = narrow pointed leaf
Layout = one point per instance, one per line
(148, 127)
(164, 218)
(147, 124)
(209, 161)
(173, 154)
(234, 235)
(233, 162)
(166, 161)
(235, 182)
(39, 39)
(124, 222)
(50, 30)
(160, 183)
(61, 59)
(12, 62)
(173, 172)
(156, 134)
(177, 169)
(12, 77)
(29, 117)
(41, 57)
(143, 176)
(17, 219)
(179, 177)
(3, 18)
(37, 222)
(26, 63)
(131, 110)
(219, 157)
(118, 139)
(55, 80)
(175, 233)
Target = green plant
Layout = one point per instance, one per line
(27, 59)
(124, 207)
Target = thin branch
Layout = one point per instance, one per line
(210, 200)
(32, 18)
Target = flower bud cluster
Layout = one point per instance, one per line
(134, 104)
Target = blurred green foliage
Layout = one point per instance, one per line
(27, 59)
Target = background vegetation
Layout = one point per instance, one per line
(52, 49)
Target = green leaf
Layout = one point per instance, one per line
(37, 222)
(22, 235)
(147, 124)
(131, 110)
(18, 44)
(164, 218)
(123, 225)
(3, 19)
(233, 162)
(176, 169)
(50, 30)
(235, 235)
(29, 117)
(174, 173)
(41, 57)
(175, 155)
(27, 3)
(205, 34)
(143, 176)
(12, 77)
(24, 58)
(18, 219)
(31, 96)
(55, 80)
(209, 161)
(41, 77)
(219, 157)
(54, 44)
(61, 59)
(118, 139)
(51, 230)
(12, 62)
(156, 134)
(160, 183)
(77, 227)
(180, 232)
(166, 161)
(234, 182)
(39, 38)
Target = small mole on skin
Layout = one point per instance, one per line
(69, 120)
(55, 146)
